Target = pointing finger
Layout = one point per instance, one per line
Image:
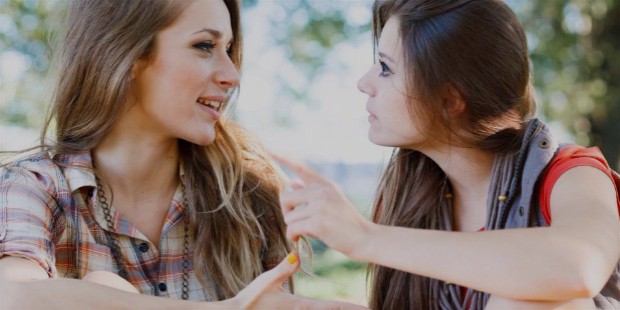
(297, 184)
(306, 173)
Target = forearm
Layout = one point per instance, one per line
(75, 294)
(533, 264)
(498, 303)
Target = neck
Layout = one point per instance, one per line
(135, 161)
(469, 171)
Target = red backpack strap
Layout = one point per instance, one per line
(567, 158)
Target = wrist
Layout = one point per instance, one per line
(367, 244)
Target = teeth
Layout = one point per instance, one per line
(215, 105)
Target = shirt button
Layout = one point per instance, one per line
(143, 247)
(521, 211)
(163, 287)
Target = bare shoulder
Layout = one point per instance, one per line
(583, 193)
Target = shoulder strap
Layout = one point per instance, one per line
(569, 157)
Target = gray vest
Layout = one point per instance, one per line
(522, 208)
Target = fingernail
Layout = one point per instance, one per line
(291, 258)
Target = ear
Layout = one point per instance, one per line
(454, 104)
(137, 67)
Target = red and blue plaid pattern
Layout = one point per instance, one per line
(49, 214)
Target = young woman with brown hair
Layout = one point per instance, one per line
(146, 187)
(451, 91)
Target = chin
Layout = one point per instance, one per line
(377, 139)
(205, 142)
(389, 140)
(203, 139)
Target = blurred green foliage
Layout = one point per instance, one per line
(573, 43)
(337, 278)
(574, 46)
(314, 29)
(575, 49)
(24, 41)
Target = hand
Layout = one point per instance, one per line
(267, 292)
(320, 210)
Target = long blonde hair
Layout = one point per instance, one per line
(231, 185)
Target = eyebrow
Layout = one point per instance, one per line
(383, 55)
(216, 33)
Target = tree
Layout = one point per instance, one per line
(574, 47)
(24, 59)
(573, 44)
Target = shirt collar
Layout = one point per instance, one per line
(79, 173)
(78, 170)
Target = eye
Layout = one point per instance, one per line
(206, 46)
(385, 70)
(229, 49)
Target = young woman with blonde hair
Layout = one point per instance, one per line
(147, 187)
(451, 91)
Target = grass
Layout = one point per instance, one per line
(337, 278)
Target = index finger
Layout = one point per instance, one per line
(307, 174)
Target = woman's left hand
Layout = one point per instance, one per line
(319, 209)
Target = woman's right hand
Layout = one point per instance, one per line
(267, 291)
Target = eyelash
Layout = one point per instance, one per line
(208, 46)
(385, 70)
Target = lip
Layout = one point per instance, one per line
(218, 98)
(213, 113)
(371, 117)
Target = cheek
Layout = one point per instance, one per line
(167, 91)
(174, 78)
(395, 126)
(188, 74)
(399, 123)
(182, 80)
(395, 112)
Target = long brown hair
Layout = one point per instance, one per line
(478, 47)
(231, 185)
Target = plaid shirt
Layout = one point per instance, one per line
(49, 214)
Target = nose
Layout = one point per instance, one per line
(227, 75)
(364, 84)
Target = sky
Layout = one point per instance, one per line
(332, 130)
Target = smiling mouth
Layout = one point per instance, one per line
(215, 105)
